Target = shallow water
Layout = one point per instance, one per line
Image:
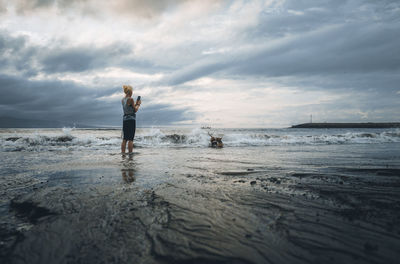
(268, 196)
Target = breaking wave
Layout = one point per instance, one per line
(323, 139)
(75, 138)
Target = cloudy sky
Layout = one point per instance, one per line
(266, 63)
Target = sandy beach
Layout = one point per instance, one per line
(67, 198)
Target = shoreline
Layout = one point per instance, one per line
(348, 125)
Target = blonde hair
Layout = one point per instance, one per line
(127, 89)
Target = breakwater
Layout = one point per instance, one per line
(348, 125)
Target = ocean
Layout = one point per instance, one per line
(268, 196)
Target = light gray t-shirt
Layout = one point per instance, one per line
(129, 112)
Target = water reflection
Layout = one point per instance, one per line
(128, 169)
(128, 175)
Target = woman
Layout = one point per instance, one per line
(129, 120)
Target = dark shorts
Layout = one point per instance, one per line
(129, 128)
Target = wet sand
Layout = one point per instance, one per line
(76, 211)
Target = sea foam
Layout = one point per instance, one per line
(71, 138)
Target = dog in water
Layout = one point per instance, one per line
(216, 142)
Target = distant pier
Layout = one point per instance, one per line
(348, 125)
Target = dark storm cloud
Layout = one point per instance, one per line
(343, 49)
(339, 50)
(80, 59)
(329, 37)
(85, 58)
(45, 98)
(19, 55)
(302, 39)
(16, 54)
(61, 101)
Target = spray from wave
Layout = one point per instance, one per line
(75, 139)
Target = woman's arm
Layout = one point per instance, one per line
(132, 103)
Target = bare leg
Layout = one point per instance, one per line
(130, 146)
(123, 146)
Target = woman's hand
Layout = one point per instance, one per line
(137, 105)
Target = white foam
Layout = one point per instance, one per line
(72, 138)
(67, 130)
